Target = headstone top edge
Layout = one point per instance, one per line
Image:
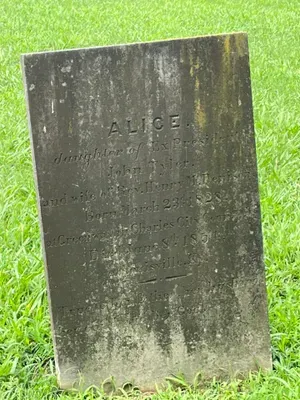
(25, 56)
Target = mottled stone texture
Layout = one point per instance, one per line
(147, 188)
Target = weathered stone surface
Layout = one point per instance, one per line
(147, 185)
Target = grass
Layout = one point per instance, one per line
(26, 355)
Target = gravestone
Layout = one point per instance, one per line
(147, 187)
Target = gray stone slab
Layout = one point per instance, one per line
(147, 188)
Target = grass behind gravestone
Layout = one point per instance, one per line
(26, 354)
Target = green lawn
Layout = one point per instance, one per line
(26, 356)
